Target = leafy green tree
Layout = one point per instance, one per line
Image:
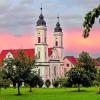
(47, 83)
(40, 82)
(75, 76)
(62, 81)
(31, 80)
(84, 73)
(86, 62)
(4, 82)
(90, 20)
(17, 69)
(98, 80)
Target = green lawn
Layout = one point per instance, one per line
(50, 94)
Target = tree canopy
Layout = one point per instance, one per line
(89, 20)
(18, 69)
(83, 73)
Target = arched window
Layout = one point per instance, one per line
(39, 39)
(56, 43)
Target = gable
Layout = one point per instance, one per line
(72, 59)
(9, 55)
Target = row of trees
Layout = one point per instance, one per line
(20, 70)
(83, 74)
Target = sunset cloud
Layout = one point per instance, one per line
(73, 41)
(18, 20)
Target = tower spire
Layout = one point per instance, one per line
(58, 28)
(41, 20)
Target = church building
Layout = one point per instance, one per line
(50, 62)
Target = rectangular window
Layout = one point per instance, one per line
(39, 40)
(45, 55)
(39, 54)
(49, 71)
(45, 39)
(54, 70)
(56, 43)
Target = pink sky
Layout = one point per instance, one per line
(73, 41)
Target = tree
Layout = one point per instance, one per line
(30, 76)
(90, 20)
(83, 73)
(31, 80)
(86, 62)
(62, 81)
(75, 76)
(4, 83)
(17, 69)
(47, 83)
(98, 80)
(40, 82)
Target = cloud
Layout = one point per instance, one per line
(19, 16)
(27, 1)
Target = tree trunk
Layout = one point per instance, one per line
(98, 89)
(19, 89)
(0, 90)
(30, 89)
(78, 86)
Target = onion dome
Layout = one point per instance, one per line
(58, 28)
(41, 21)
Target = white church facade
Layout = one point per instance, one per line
(49, 65)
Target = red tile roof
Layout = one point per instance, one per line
(28, 52)
(72, 59)
(97, 63)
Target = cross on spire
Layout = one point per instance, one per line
(41, 8)
(58, 18)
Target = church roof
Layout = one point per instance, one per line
(97, 63)
(72, 59)
(28, 52)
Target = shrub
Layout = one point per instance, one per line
(55, 84)
(40, 82)
(47, 83)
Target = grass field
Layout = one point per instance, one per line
(50, 94)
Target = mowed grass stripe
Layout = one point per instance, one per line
(50, 94)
